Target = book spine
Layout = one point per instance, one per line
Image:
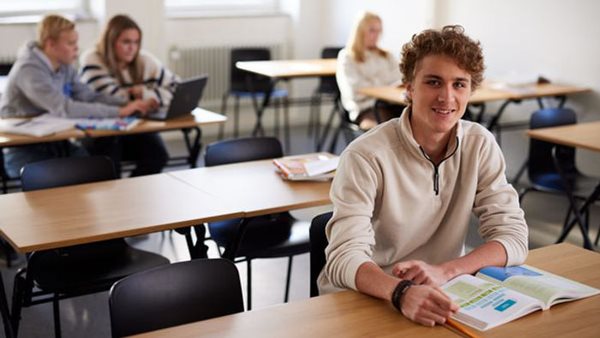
(284, 170)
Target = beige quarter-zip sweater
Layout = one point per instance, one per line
(391, 203)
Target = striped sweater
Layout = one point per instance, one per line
(159, 82)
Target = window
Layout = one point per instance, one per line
(29, 9)
(219, 7)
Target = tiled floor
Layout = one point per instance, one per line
(88, 315)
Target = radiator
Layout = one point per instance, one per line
(215, 61)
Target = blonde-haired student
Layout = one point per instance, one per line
(117, 66)
(43, 81)
(362, 63)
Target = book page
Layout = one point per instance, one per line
(38, 126)
(545, 286)
(307, 167)
(484, 305)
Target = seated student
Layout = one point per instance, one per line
(404, 192)
(118, 67)
(43, 80)
(363, 64)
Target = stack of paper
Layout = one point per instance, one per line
(307, 167)
(38, 126)
(124, 123)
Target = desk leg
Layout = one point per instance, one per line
(259, 109)
(232, 249)
(577, 212)
(193, 147)
(6, 321)
(322, 137)
(496, 118)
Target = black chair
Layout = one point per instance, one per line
(270, 236)
(327, 89)
(542, 172)
(253, 86)
(174, 294)
(52, 275)
(318, 243)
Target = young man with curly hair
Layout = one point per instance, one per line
(404, 192)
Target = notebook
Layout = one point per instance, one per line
(185, 99)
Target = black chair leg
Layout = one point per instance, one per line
(249, 284)
(236, 118)
(8, 331)
(17, 302)
(286, 125)
(597, 236)
(288, 280)
(224, 112)
(56, 310)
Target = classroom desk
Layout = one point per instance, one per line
(283, 70)
(79, 214)
(350, 314)
(580, 135)
(187, 124)
(487, 93)
(255, 188)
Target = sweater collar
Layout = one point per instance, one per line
(405, 134)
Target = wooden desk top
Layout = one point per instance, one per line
(290, 68)
(582, 135)
(9, 140)
(483, 94)
(59, 217)
(350, 314)
(199, 117)
(255, 187)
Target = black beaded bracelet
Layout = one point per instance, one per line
(399, 291)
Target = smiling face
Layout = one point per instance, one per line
(440, 92)
(127, 46)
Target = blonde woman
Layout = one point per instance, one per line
(118, 67)
(362, 63)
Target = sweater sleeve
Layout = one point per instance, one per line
(497, 207)
(350, 232)
(159, 81)
(35, 84)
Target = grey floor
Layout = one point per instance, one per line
(87, 316)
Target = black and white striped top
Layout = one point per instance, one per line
(159, 82)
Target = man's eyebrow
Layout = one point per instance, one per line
(437, 77)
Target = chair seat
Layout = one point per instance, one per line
(278, 235)
(551, 182)
(100, 265)
(277, 93)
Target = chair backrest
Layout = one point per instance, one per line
(318, 243)
(242, 150)
(540, 152)
(328, 84)
(66, 171)
(238, 77)
(173, 295)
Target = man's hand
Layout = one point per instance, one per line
(137, 106)
(427, 305)
(421, 273)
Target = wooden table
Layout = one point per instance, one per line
(283, 70)
(487, 93)
(580, 135)
(54, 218)
(256, 189)
(350, 314)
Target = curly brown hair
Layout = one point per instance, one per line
(449, 41)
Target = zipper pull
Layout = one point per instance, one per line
(436, 180)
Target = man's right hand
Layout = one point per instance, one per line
(427, 305)
(133, 107)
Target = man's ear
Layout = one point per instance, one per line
(409, 90)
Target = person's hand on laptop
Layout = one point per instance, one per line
(134, 107)
(136, 92)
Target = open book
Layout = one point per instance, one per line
(497, 295)
(319, 166)
(42, 125)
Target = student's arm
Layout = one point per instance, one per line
(36, 84)
(351, 238)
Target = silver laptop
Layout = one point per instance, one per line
(185, 99)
